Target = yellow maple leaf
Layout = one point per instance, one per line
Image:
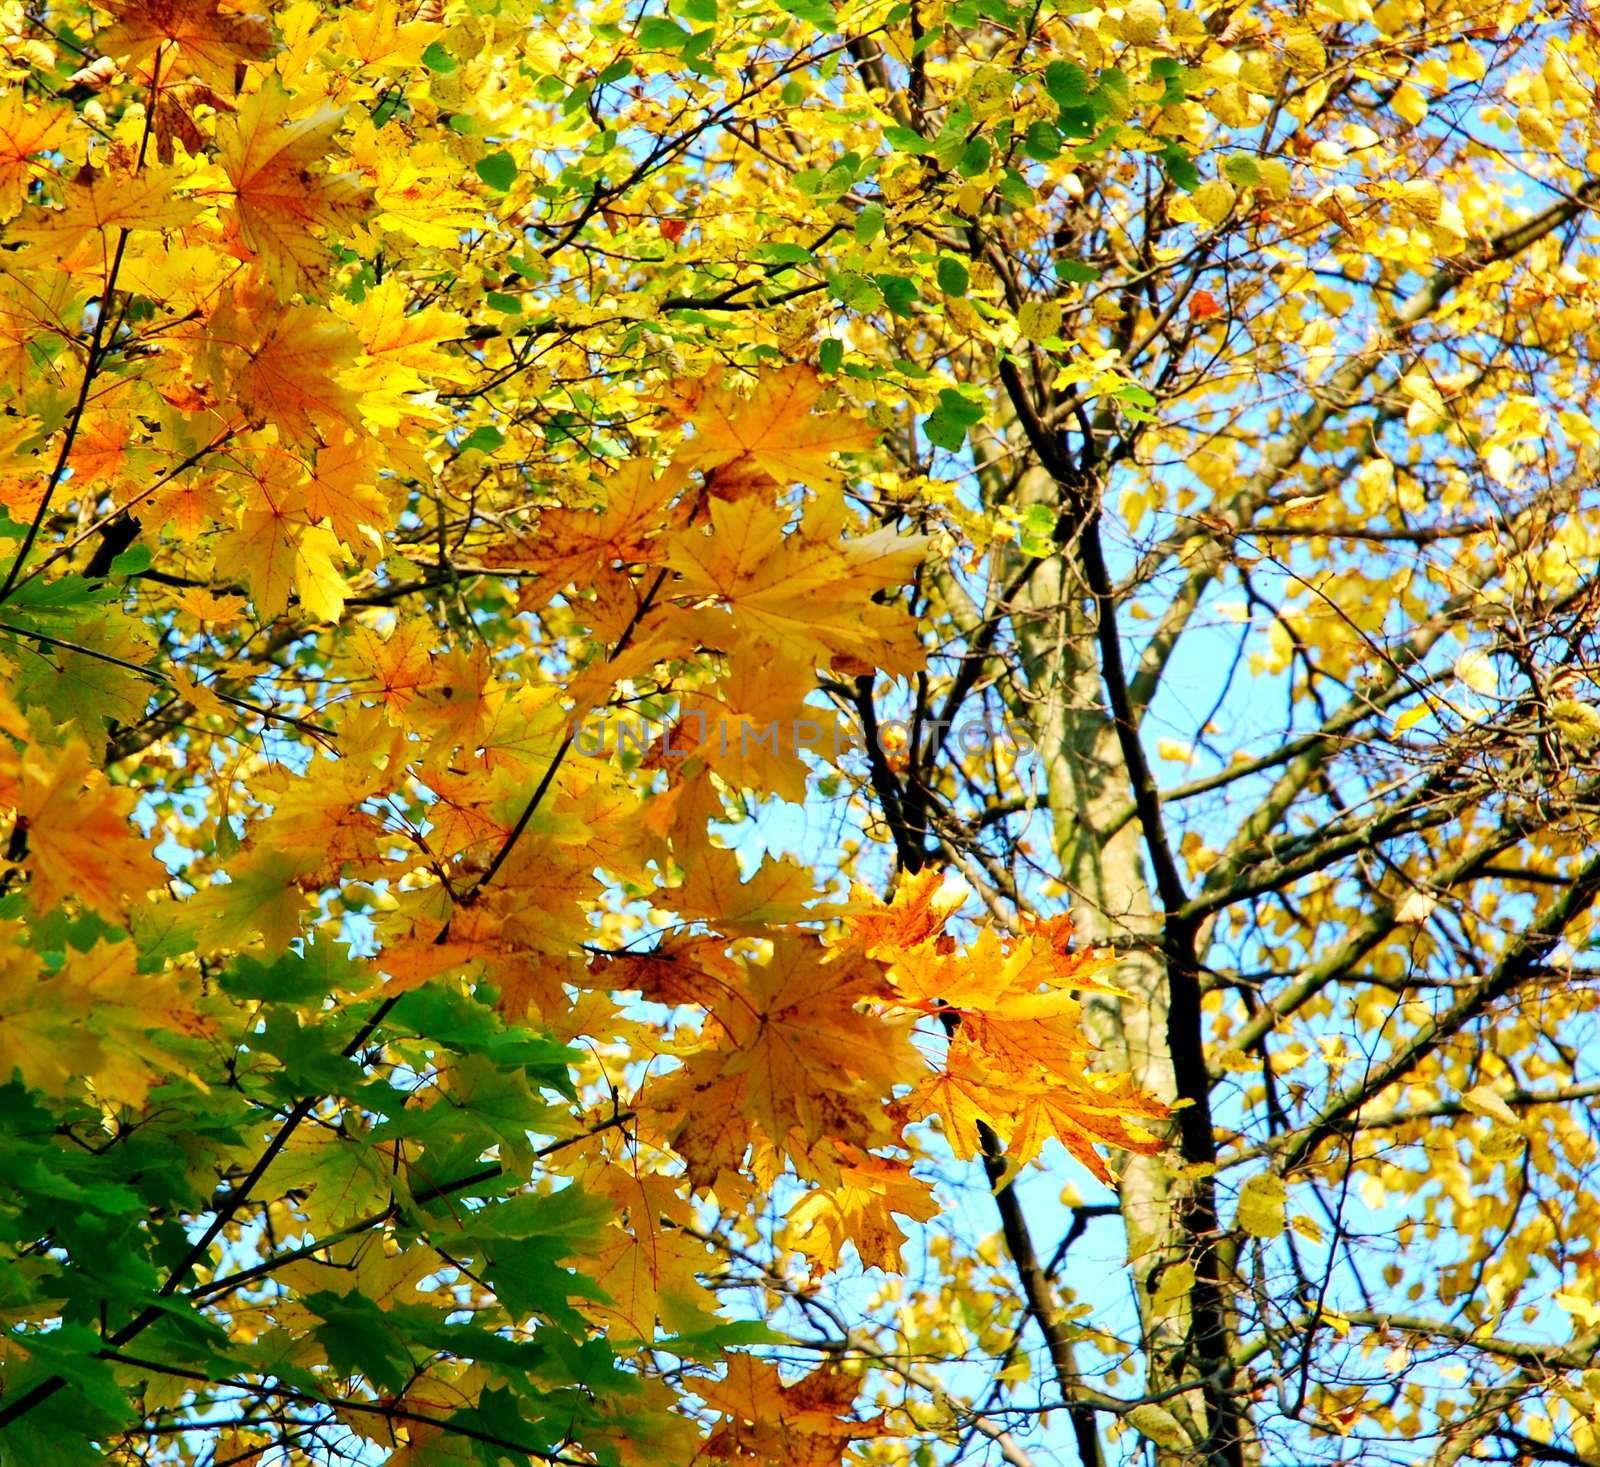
(93, 1020)
(272, 551)
(380, 38)
(647, 1262)
(25, 132)
(860, 1208)
(341, 487)
(97, 203)
(964, 1098)
(921, 905)
(754, 728)
(806, 596)
(771, 435)
(32, 311)
(192, 35)
(284, 196)
(209, 609)
(1084, 1111)
(405, 343)
(778, 892)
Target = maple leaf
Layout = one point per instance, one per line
(679, 970)
(402, 349)
(648, 1264)
(332, 1176)
(190, 505)
(283, 195)
(320, 812)
(779, 892)
(1017, 1060)
(263, 896)
(96, 681)
(965, 1097)
(381, 38)
(272, 551)
(859, 1207)
(282, 363)
(33, 1037)
(174, 117)
(811, 1059)
(1085, 1111)
(209, 42)
(341, 487)
(771, 436)
(921, 906)
(703, 1106)
(994, 975)
(94, 1020)
(25, 132)
(32, 313)
(580, 544)
(808, 1424)
(754, 727)
(208, 609)
(807, 598)
(99, 453)
(461, 700)
(79, 840)
(96, 203)
(416, 192)
(399, 664)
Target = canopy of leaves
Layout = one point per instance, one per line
(478, 476)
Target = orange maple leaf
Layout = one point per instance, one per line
(808, 1424)
(399, 664)
(812, 1060)
(793, 1047)
(922, 904)
(282, 364)
(679, 970)
(79, 841)
(1084, 1111)
(581, 545)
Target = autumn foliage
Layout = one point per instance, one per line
(348, 1081)
(511, 517)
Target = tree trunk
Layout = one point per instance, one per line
(1100, 855)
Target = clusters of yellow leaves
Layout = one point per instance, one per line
(372, 588)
